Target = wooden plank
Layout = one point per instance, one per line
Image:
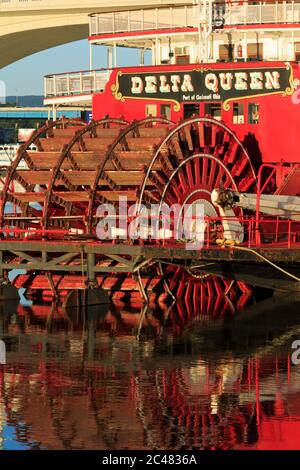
(84, 160)
(56, 143)
(114, 196)
(126, 178)
(29, 196)
(75, 177)
(45, 160)
(134, 160)
(90, 160)
(73, 196)
(108, 131)
(80, 177)
(143, 142)
(43, 177)
(99, 143)
(35, 177)
(138, 163)
(153, 131)
(68, 131)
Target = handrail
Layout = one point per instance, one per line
(103, 69)
(274, 232)
(190, 16)
(76, 83)
(145, 19)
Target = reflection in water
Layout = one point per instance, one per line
(132, 378)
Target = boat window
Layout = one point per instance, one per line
(182, 55)
(253, 113)
(225, 52)
(255, 51)
(191, 109)
(213, 110)
(238, 113)
(165, 110)
(151, 110)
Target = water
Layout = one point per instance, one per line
(157, 379)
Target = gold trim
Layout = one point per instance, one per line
(176, 105)
(226, 104)
(287, 92)
(115, 87)
(294, 82)
(202, 69)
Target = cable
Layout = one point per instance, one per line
(232, 244)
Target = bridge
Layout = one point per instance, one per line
(30, 26)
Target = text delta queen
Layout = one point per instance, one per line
(256, 80)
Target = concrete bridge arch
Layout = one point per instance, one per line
(30, 26)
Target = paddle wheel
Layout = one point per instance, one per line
(78, 167)
(75, 169)
(197, 156)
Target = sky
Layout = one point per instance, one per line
(25, 77)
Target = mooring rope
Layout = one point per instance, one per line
(232, 244)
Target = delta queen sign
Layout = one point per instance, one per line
(204, 84)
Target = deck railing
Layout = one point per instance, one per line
(274, 233)
(76, 83)
(143, 20)
(263, 13)
(189, 16)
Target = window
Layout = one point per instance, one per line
(225, 52)
(165, 110)
(182, 59)
(182, 55)
(151, 110)
(253, 113)
(213, 110)
(191, 109)
(255, 51)
(238, 113)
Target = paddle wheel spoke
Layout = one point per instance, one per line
(204, 172)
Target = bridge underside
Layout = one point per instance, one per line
(22, 44)
(27, 29)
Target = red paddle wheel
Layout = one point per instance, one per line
(197, 156)
(150, 161)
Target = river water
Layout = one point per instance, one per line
(173, 378)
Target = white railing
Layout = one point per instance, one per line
(189, 16)
(275, 13)
(143, 20)
(76, 83)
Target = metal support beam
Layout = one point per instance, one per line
(91, 274)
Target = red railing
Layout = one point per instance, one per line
(251, 232)
(245, 231)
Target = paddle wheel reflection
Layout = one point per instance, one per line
(69, 383)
